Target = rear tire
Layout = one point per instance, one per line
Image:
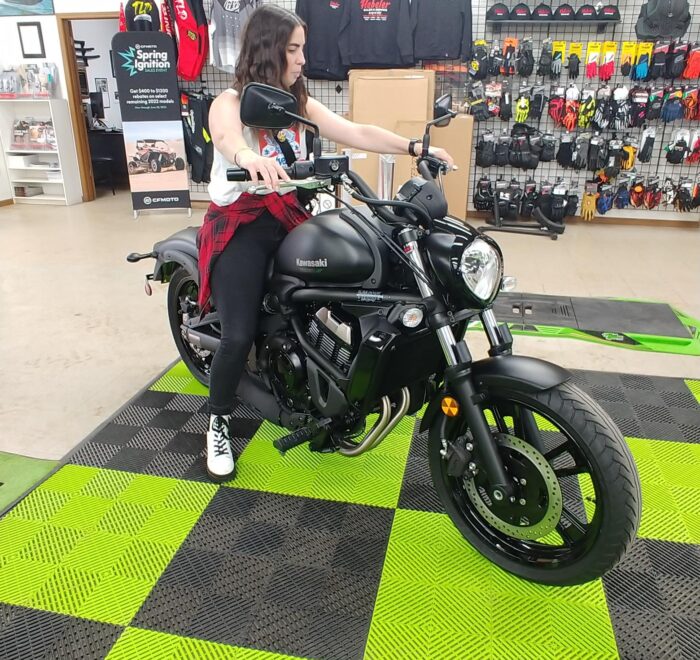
(179, 164)
(182, 299)
(595, 441)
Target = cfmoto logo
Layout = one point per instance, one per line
(147, 201)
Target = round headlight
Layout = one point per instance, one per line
(480, 266)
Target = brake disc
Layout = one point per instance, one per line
(537, 511)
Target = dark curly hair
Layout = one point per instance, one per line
(263, 56)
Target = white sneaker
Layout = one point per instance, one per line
(220, 463)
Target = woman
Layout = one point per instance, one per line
(242, 231)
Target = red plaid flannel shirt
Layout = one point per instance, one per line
(221, 222)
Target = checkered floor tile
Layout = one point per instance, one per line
(130, 552)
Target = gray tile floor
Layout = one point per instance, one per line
(79, 337)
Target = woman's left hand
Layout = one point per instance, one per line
(440, 153)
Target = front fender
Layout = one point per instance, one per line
(506, 372)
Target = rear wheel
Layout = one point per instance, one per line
(577, 503)
(179, 164)
(182, 306)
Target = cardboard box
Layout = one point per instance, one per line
(386, 97)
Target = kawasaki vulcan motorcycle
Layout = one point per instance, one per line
(364, 322)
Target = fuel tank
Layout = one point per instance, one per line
(327, 249)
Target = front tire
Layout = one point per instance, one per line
(596, 476)
(182, 304)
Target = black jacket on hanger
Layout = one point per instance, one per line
(376, 33)
(442, 29)
(321, 51)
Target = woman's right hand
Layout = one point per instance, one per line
(259, 167)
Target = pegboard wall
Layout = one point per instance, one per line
(452, 76)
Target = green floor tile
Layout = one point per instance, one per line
(180, 381)
(92, 543)
(484, 612)
(18, 474)
(373, 478)
(135, 644)
(669, 473)
(694, 387)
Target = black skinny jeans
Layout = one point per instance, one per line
(238, 287)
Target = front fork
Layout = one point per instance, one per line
(459, 376)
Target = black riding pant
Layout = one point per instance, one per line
(238, 287)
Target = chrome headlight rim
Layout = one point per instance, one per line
(483, 274)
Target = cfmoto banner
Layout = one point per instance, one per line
(145, 67)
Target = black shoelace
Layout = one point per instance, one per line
(221, 436)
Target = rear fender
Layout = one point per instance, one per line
(167, 263)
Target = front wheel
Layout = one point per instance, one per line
(577, 498)
(182, 306)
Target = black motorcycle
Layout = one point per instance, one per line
(366, 312)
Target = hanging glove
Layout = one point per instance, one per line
(641, 68)
(556, 109)
(479, 65)
(558, 212)
(502, 151)
(637, 195)
(622, 110)
(549, 146)
(658, 63)
(684, 199)
(495, 61)
(522, 109)
(605, 200)
(629, 156)
(694, 156)
(506, 113)
(592, 65)
(486, 150)
(537, 102)
(570, 115)
(678, 150)
(526, 59)
(479, 110)
(639, 100)
(626, 68)
(529, 200)
(544, 66)
(605, 112)
(669, 192)
(692, 66)
(555, 69)
(648, 139)
(586, 110)
(508, 67)
(607, 69)
(622, 196)
(580, 155)
(656, 103)
(571, 205)
(574, 66)
(565, 153)
(597, 154)
(652, 197)
(673, 107)
(588, 208)
(675, 62)
(483, 195)
(690, 103)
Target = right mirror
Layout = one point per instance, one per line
(443, 108)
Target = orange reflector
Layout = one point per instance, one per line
(450, 407)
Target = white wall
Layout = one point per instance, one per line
(83, 6)
(98, 34)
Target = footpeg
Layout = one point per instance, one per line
(299, 437)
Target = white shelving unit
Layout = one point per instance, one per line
(55, 171)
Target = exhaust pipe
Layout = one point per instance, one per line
(382, 427)
(200, 339)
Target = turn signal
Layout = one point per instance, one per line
(450, 407)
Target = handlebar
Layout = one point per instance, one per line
(301, 169)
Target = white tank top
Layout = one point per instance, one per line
(223, 192)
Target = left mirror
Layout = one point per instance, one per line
(263, 106)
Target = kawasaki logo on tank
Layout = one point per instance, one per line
(312, 263)
(147, 58)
